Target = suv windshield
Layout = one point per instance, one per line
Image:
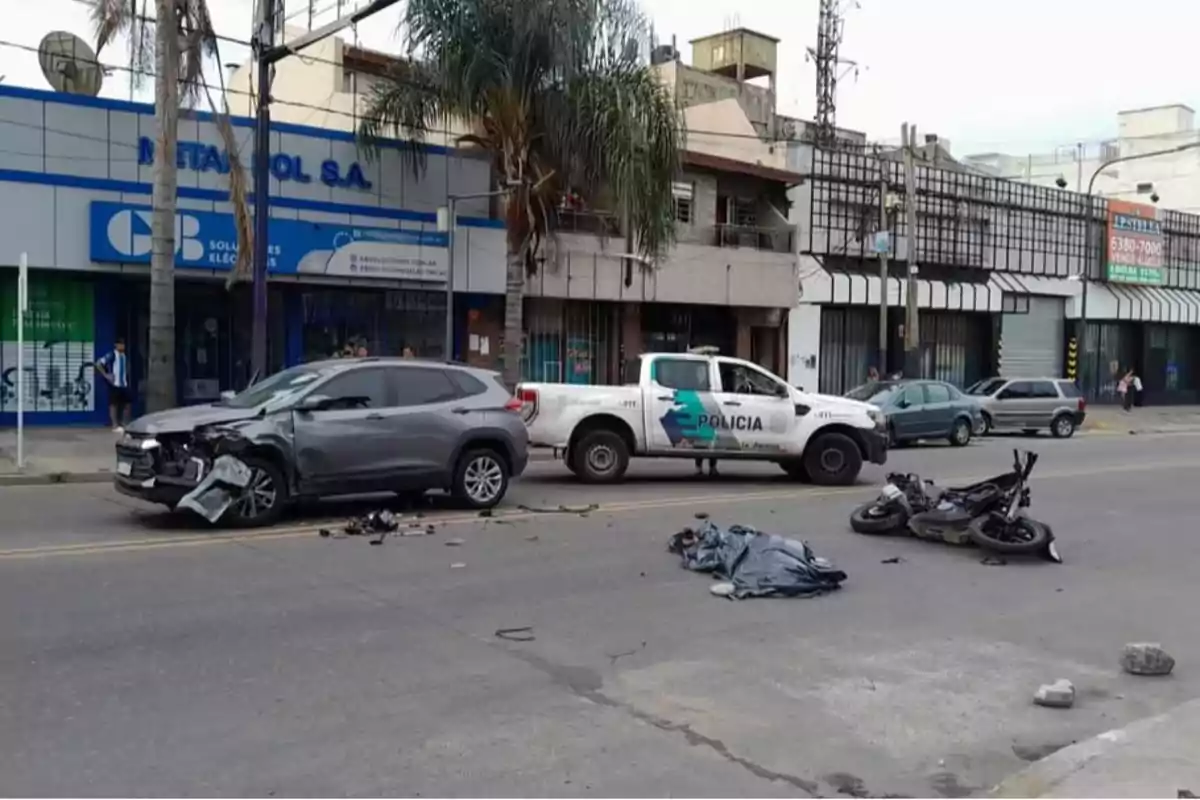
(986, 388)
(873, 393)
(278, 385)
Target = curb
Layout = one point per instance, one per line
(1107, 431)
(43, 479)
(1044, 777)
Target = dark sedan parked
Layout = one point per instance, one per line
(919, 409)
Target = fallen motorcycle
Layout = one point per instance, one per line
(989, 514)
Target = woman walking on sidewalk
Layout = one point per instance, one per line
(1127, 388)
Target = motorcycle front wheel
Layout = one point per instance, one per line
(1022, 536)
(875, 519)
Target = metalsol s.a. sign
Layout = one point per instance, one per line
(1135, 244)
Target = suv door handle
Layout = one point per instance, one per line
(374, 417)
(666, 397)
(460, 410)
(731, 403)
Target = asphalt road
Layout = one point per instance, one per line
(145, 657)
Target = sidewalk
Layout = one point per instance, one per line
(1154, 757)
(1153, 419)
(58, 455)
(76, 455)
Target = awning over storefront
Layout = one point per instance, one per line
(833, 287)
(1114, 301)
(1014, 283)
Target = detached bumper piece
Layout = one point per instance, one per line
(213, 496)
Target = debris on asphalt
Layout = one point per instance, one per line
(562, 509)
(722, 589)
(614, 657)
(701, 515)
(453, 543)
(487, 512)
(1060, 694)
(1146, 658)
(382, 521)
(1036, 752)
(757, 564)
(532, 538)
(213, 496)
(994, 561)
(524, 634)
(1185, 793)
(324, 533)
(457, 565)
(893, 560)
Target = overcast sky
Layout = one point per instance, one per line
(1012, 76)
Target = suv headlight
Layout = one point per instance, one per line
(876, 416)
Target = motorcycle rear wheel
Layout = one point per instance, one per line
(868, 519)
(1022, 536)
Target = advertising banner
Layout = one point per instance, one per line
(59, 346)
(1135, 244)
(120, 233)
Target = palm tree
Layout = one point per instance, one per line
(183, 39)
(558, 94)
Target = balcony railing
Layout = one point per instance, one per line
(593, 222)
(776, 240)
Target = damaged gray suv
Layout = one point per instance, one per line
(344, 426)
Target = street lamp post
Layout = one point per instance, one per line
(447, 221)
(1082, 276)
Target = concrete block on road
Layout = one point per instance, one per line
(1146, 658)
(1060, 694)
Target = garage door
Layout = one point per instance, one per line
(1031, 343)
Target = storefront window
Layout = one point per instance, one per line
(384, 322)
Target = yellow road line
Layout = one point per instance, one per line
(308, 529)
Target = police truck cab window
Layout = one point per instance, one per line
(682, 373)
(740, 379)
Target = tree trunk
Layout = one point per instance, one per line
(514, 316)
(160, 377)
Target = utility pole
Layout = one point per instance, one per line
(264, 38)
(266, 55)
(883, 243)
(912, 340)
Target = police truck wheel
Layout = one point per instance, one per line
(600, 457)
(833, 459)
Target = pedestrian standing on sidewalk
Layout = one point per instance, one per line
(1125, 390)
(115, 369)
(1135, 386)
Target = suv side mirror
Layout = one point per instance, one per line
(313, 402)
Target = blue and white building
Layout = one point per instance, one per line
(355, 252)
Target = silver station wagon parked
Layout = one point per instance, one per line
(1030, 405)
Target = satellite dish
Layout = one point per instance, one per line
(69, 64)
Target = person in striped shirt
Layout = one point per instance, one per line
(115, 369)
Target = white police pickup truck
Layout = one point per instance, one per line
(700, 405)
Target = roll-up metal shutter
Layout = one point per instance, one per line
(1031, 344)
